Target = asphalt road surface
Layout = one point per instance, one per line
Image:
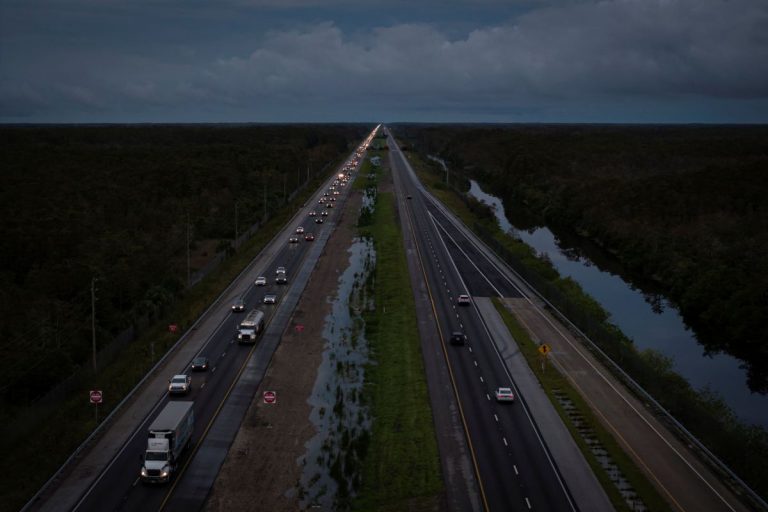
(514, 466)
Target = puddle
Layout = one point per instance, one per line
(626, 490)
(332, 463)
(368, 206)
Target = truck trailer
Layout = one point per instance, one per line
(169, 435)
(251, 327)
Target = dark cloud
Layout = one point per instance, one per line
(687, 60)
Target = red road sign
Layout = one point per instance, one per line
(299, 328)
(96, 396)
(270, 397)
(173, 328)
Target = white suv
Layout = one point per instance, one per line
(180, 384)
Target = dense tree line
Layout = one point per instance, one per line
(114, 203)
(683, 206)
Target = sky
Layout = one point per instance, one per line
(499, 61)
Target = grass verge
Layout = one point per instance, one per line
(552, 381)
(68, 423)
(402, 468)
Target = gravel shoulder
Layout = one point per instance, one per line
(261, 470)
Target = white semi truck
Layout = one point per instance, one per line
(169, 435)
(250, 328)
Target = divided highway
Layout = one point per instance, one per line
(514, 467)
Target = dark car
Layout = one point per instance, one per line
(319, 220)
(238, 305)
(200, 364)
(458, 338)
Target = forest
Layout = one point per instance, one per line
(113, 206)
(681, 206)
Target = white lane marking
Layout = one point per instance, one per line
(475, 363)
(470, 349)
(481, 379)
(514, 466)
(505, 441)
(213, 369)
(494, 416)
(528, 503)
(488, 397)
(461, 325)
(223, 354)
(202, 385)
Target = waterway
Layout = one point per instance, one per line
(653, 324)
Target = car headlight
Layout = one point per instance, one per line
(164, 473)
(143, 471)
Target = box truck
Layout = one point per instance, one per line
(169, 435)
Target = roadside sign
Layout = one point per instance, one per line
(96, 396)
(270, 397)
(173, 327)
(544, 349)
(299, 328)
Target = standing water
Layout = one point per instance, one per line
(332, 462)
(659, 326)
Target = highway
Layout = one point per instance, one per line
(119, 486)
(514, 467)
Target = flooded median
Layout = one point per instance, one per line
(332, 462)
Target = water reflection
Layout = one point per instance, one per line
(648, 318)
(332, 462)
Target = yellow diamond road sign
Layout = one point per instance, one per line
(544, 349)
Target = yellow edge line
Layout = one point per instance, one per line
(450, 371)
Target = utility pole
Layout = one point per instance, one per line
(236, 231)
(93, 319)
(265, 198)
(188, 255)
(285, 182)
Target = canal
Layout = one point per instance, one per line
(652, 324)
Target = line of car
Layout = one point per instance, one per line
(181, 384)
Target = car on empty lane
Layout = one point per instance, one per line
(504, 395)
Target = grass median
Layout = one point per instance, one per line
(402, 468)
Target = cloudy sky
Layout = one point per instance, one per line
(688, 61)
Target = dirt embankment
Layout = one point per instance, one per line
(261, 470)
